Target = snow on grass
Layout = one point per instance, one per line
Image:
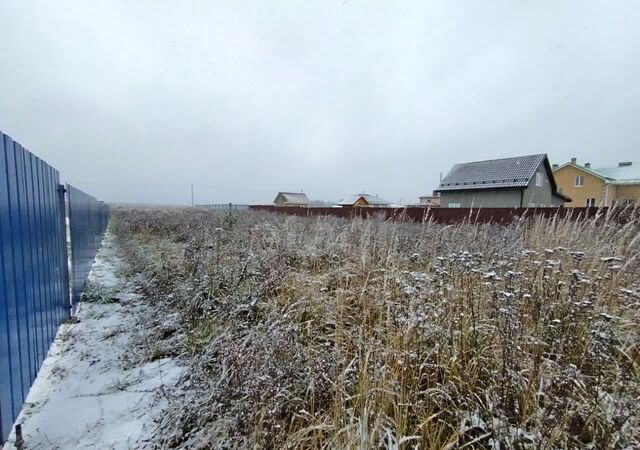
(331, 333)
(87, 393)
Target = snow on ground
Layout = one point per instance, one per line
(86, 395)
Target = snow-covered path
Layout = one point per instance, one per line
(87, 394)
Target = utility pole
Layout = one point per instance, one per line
(192, 195)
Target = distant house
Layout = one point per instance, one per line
(431, 201)
(599, 186)
(291, 199)
(522, 181)
(363, 200)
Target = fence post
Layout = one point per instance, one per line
(65, 269)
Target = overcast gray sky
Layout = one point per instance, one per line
(333, 97)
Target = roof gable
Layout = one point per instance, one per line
(625, 174)
(298, 198)
(368, 198)
(583, 169)
(493, 174)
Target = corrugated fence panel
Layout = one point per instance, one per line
(441, 215)
(33, 271)
(9, 345)
(88, 219)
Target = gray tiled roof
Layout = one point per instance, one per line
(492, 174)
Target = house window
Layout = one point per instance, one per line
(579, 181)
(539, 179)
(454, 205)
(591, 202)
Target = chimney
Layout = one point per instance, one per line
(574, 160)
(587, 165)
(624, 164)
(554, 166)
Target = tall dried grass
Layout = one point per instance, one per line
(327, 333)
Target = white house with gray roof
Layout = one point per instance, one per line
(518, 182)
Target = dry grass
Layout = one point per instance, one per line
(327, 333)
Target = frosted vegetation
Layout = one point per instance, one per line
(330, 333)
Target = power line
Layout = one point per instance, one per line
(132, 185)
(186, 185)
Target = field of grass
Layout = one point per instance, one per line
(330, 333)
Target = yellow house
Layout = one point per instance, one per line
(598, 186)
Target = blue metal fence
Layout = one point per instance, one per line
(34, 269)
(88, 219)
